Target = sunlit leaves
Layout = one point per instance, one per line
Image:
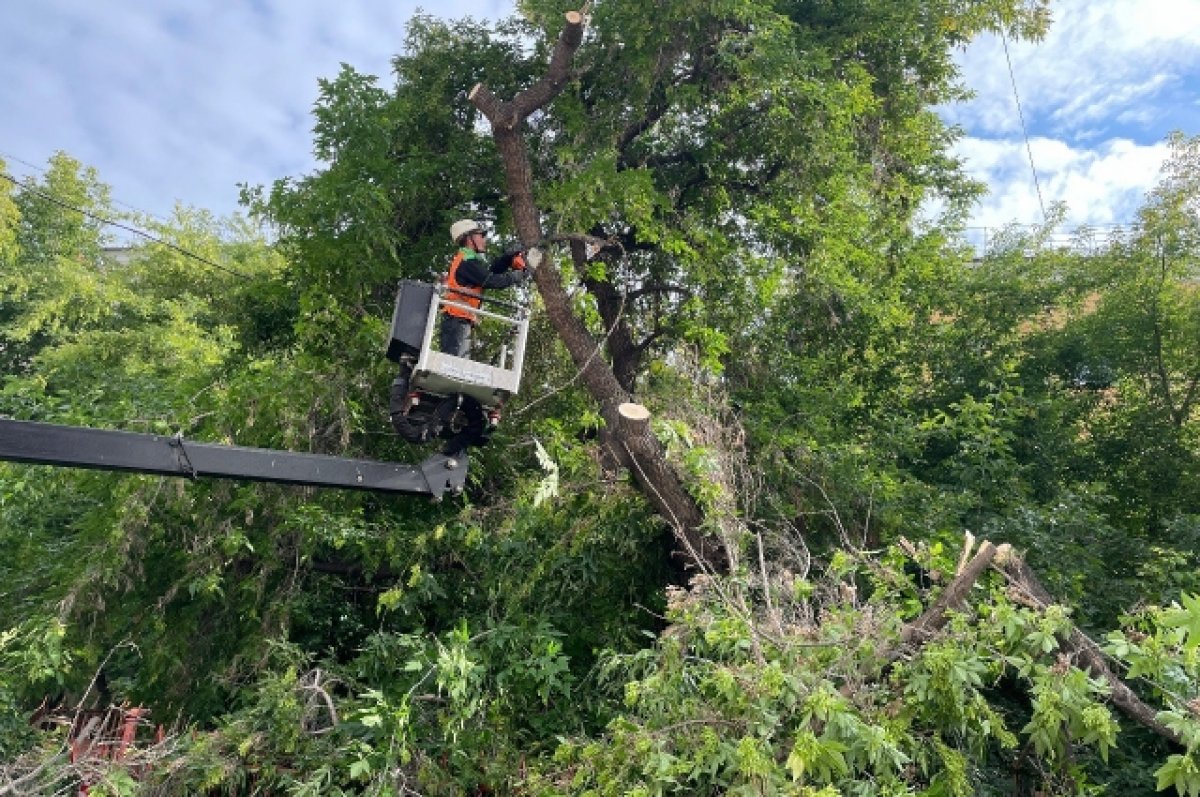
(1185, 617)
(1180, 772)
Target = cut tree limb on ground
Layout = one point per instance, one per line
(1083, 650)
(954, 596)
(1029, 591)
(634, 446)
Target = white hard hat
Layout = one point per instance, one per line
(463, 226)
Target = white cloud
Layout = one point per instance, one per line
(182, 101)
(1100, 186)
(1099, 96)
(1099, 58)
(1100, 101)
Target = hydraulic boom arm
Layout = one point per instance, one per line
(80, 447)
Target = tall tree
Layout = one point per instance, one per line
(710, 155)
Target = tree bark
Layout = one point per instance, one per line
(1081, 647)
(1078, 645)
(953, 596)
(623, 352)
(636, 448)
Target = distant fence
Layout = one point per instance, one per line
(1086, 240)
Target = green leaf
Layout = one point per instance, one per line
(1186, 618)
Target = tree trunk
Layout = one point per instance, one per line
(622, 351)
(635, 446)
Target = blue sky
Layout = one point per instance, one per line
(177, 101)
(1099, 96)
(181, 100)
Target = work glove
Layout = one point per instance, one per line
(518, 261)
(505, 261)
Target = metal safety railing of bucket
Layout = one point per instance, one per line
(488, 382)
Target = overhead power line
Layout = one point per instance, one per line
(33, 166)
(42, 170)
(1021, 115)
(110, 222)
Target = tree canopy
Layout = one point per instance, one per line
(905, 521)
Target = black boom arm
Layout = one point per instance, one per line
(80, 447)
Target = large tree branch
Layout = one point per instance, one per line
(509, 115)
(1081, 648)
(645, 343)
(633, 445)
(1086, 652)
(954, 596)
(619, 339)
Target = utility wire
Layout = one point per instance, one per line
(51, 198)
(9, 157)
(33, 166)
(1021, 115)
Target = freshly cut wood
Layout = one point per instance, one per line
(634, 412)
(633, 418)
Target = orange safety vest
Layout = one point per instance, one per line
(457, 292)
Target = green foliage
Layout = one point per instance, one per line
(841, 392)
(801, 708)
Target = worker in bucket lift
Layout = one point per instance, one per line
(469, 274)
